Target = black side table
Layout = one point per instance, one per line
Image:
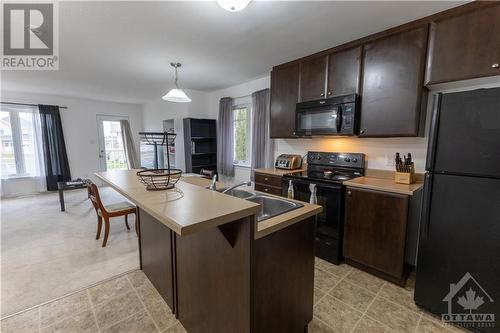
(69, 185)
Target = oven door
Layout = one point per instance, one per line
(317, 120)
(329, 223)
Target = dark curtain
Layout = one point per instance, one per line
(54, 148)
(225, 138)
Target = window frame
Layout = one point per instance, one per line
(17, 141)
(248, 162)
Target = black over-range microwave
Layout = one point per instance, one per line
(329, 116)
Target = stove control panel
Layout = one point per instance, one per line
(353, 160)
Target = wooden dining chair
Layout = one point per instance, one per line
(105, 212)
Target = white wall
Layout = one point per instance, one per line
(158, 110)
(80, 125)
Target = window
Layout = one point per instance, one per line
(17, 141)
(113, 146)
(242, 135)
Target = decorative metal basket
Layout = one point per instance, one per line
(159, 179)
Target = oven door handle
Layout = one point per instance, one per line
(319, 184)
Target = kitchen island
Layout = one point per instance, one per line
(216, 266)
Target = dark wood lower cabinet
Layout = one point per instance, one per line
(224, 280)
(213, 279)
(156, 251)
(283, 279)
(268, 183)
(375, 232)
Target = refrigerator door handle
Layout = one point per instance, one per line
(434, 128)
(426, 207)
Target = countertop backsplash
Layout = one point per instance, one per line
(379, 151)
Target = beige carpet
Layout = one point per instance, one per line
(47, 253)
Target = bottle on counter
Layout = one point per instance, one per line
(313, 199)
(291, 193)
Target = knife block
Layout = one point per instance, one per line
(406, 177)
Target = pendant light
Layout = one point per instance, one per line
(176, 95)
(233, 5)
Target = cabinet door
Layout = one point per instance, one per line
(393, 95)
(465, 46)
(343, 72)
(375, 229)
(284, 97)
(313, 79)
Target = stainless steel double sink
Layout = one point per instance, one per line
(269, 206)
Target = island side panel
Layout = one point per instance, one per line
(156, 255)
(213, 278)
(283, 285)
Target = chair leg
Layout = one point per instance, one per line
(106, 231)
(99, 227)
(126, 222)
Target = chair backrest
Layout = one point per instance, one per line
(94, 196)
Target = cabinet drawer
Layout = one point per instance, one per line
(268, 189)
(268, 179)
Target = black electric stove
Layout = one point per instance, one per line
(327, 171)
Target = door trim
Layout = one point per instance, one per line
(101, 163)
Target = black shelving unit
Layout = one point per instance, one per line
(200, 144)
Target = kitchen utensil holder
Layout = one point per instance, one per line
(406, 177)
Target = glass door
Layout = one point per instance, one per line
(112, 155)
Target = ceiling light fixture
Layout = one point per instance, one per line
(233, 5)
(177, 94)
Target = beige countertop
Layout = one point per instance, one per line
(185, 209)
(277, 172)
(273, 224)
(382, 180)
(383, 184)
(190, 207)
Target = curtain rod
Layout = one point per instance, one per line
(27, 104)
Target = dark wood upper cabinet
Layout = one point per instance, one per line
(343, 72)
(284, 97)
(313, 79)
(375, 231)
(465, 46)
(393, 96)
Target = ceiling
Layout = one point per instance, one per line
(121, 50)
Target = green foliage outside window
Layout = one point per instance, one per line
(241, 134)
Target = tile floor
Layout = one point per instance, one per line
(345, 300)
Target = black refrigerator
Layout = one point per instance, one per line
(458, 265)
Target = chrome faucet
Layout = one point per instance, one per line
(249, 183)
(213, 185)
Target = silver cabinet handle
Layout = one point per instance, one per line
(266, 189)
(322, 94)
(494, 66)
(266, 179)
(329, 93)
(349, 193)
(362, 132)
